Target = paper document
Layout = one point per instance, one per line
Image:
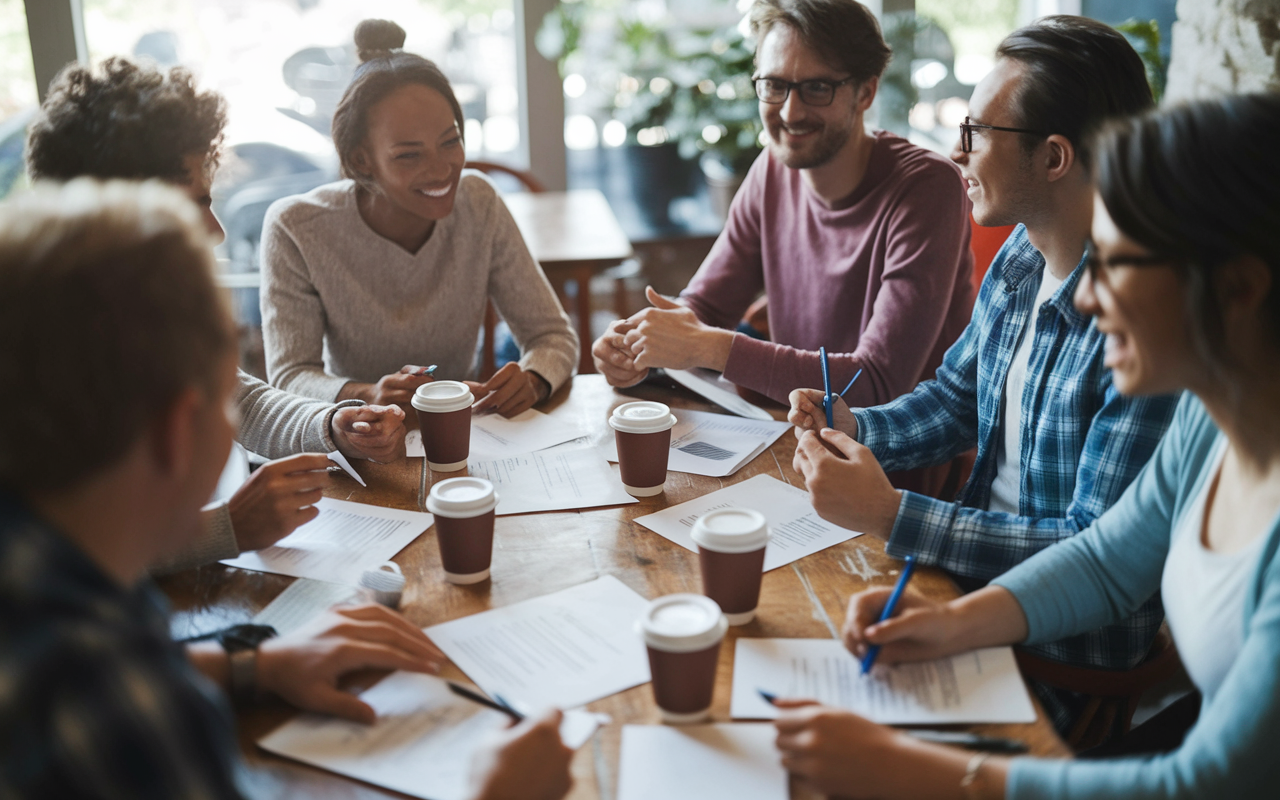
(714, 387)
(564, 649)
(797, 530)
(422, 744)
(304, 600)
(712, 444)
(980, 686)
(561, 479)
(701, 762)
(340, 544)
(338, 458)
(494, 435)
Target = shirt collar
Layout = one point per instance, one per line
(1025, 261)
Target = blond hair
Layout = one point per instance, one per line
(108, 311)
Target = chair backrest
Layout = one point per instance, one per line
(525, 177)
(489, 359)
(985, 243)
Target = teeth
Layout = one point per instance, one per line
(441, 192)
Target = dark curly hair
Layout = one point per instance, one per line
(127, 121)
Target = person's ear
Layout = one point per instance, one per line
(1242, 286)
(362, 162)
(867, 92)
(174, 434)
(1059, 157)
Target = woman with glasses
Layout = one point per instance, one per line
(367, 279)
(1184, 282)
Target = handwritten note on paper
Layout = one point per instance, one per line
(340, 544)
(797, 529)
(563, 649)
(549, 481)
(979, 686)
(712, 444)
(700, 762)
(422, 743)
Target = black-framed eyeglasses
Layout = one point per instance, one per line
(775, 91)
(1094, 264)
(967, 128)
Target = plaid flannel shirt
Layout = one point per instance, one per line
(96, 701)
(1082, 444)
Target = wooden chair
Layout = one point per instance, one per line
(489, 359)
(1113, 695)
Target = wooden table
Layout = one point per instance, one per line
(573, 235)
(536, 554)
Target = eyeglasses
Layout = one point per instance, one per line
(1094, 265)
(812, 93)
(967, 128)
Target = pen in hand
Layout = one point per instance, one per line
(827, 399)
(425, 371)
(480, 699)
(874, 650)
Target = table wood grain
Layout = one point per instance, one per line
(536, 554)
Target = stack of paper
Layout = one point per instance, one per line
(304, 600)
(340, 544)
(980, 686)
(700, 762)
(712, 386)
(564, 649)
(797, 529)
(494, 435)
(713, 444)
(551, 480)
(422, 744)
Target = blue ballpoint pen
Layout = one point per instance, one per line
(874, 650)
(826, 386)
(852, 380)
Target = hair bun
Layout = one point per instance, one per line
(376, 37)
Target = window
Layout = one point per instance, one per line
(17, 94)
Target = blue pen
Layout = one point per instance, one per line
(769, 697)
(425, 371)
(870, 658)
(826, 385)
(852, 380)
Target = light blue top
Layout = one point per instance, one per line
(1104, 574)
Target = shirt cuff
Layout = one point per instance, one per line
(217, 541)
(750, 363)
(552, 366)
(920, 527)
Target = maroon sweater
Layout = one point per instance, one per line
(883, 282)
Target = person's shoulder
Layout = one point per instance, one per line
(321, 203)
(476, 192)
(911, 162)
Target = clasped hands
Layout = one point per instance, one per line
(667, 335)
(511, 391)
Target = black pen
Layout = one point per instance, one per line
(480, 699)
(970, 741)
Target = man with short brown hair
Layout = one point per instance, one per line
(859, 240)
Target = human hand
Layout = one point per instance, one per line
(847, 486)
(670, 335)
(613, 359)
(510, 391)
(396, 388)
(278, 497)
(807, 413)
(836, 751)
(304, 667)
(919, 630)
(527, 762)
(375, 433)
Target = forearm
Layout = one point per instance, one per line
(276, 424)
(354, 390)
(989, 617)
(923, 771)
(212, 661)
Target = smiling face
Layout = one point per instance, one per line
(999, 170)
(804, 136)
(414, 152)
(1141, 308)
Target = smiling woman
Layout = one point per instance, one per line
(367, 278)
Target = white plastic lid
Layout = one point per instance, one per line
(442, 397)
(731, 530)
(643, 416)
(682, 623)
(459, 498)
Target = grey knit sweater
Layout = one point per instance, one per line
(341, 303)
(273, 424)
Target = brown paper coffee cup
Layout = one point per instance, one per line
(464, 511)
(642, 431)
(682, 633)
(731, 547)
(444, 417)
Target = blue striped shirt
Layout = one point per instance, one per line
(1082, 443)
(96, 701)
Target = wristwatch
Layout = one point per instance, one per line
(241, 643)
